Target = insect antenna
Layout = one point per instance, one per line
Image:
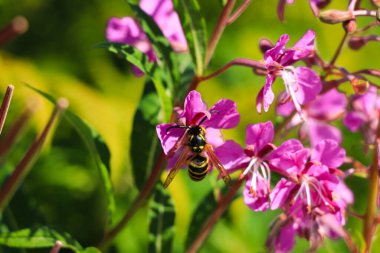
(177, 126)
(205, 117)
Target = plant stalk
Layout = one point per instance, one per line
(13, 182)
(215, 216)
(373, 187)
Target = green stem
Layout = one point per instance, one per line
(22, 169)
(373, 187)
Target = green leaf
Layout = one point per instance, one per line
(134, 56)
(205, 208)
(194, 26)
(41, 237)
(139, 59)
(145, 145)
(161, 216)
(98, 150)
(161, 46)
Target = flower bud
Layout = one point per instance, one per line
(350, 26)
(336, 16)
(360, 86)
(265, 45)
(357, 42)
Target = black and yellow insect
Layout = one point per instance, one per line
(197, 153)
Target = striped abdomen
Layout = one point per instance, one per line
(198, 167)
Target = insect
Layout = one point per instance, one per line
(197, 153)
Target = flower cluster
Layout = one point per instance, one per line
(309, 185)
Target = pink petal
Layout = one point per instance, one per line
(258, 202)
(223, 115)
(162, 12)
(354, 120)
(259, 135)
(320, 130)
(328, 106)
(281, 193)
(303, 48)
(194, 108)
(329, 153)
(232, 156)
(281, 159)
(309, 85)
(275, 53)
(124, 30)
(284, 108)
(214, 137)
(268, 95)
(168, 139)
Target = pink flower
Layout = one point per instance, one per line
(222, 115)
(364, 114)
(325, 108)
(302, 84)
(127, 30)
(314, 181)
(254, 160)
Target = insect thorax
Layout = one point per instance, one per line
(197, 140)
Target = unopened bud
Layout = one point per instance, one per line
(335, 16)
(350, 26)
(357, 42)
(360, 86)
(265, 45)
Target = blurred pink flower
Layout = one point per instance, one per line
(319, 113)
(127, 30)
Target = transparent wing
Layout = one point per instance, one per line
(173, 172)
(215, 161)
(178, 144)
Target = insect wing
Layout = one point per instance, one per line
(173, 172)
(215, 161)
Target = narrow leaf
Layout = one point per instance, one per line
(194, 26)
(139, 59)
(161, 216)
(144, 142)
(41, 237)
(98, 150)
(161, 46)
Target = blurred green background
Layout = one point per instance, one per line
(58, 54)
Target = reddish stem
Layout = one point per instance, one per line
(237, 62)
(139, 200)
(18, 26)
(21, 170)
(221, 25)
(5, 106)
(14, 131)
(238, 11)
(214, 218)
